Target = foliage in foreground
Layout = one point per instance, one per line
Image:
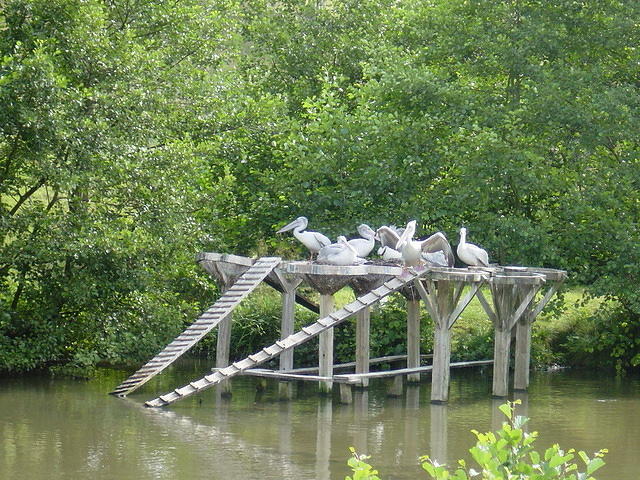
(507, 454)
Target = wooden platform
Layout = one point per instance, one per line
(518, 295)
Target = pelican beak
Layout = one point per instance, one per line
(288, 227)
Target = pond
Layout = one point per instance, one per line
(65, 429)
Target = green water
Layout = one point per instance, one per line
(63, 429)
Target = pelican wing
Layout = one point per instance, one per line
(321, 239)
(438, 243)
(388, 236)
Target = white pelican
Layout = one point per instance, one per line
(341, 253)
(365, 244)
(435, 249)
(471, 254)
(389, 254)
(314, 241)
(388, 238)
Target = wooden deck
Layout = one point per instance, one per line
(518, 295)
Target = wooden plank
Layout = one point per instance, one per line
(373, 361)
(290, 377)
(405, 371)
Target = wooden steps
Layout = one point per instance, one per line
(289, 342)
(245, 284)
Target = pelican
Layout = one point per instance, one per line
(389, 254)
(365, 244)
(340, 253)
(388, 238)
(435, 249)
(471, 254)
(314, 241)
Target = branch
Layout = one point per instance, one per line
(26, 195)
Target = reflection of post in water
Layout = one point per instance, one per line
(284, 429)
(439, 432)
(523, 408)
(323, 439)
(361, 418)
(411, 423)
(497, 417)
(221, 410)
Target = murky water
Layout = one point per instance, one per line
(62, 429)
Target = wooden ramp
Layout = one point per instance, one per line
(291, 341)
(229, 300)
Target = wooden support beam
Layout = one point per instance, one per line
(223, 346)
(501, 349)
(441, 364)
(464, 303)
(522, 361)
(287, 321)
(363, 327)
(523, 353)
(325, 344)
(487, 307)
(413, 339)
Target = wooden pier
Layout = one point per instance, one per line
(518, 295)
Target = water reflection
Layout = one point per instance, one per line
(439, 432)
(62, 429)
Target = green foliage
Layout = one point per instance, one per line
(507, 454)
(134, 134)
(361, 469)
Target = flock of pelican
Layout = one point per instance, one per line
(395, 244)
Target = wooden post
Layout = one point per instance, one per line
(223, 346)
(285, 389)
(522, 353)
(441, 364)
(413, 339)
(442, 344)
(512, 296)
(363, 327)
(325, 345)
(501, 350)
(522, 362)
(444, 306)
